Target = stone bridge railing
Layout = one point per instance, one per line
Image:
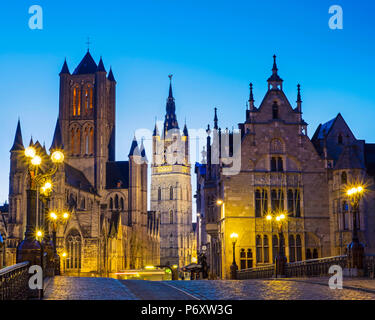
(307, 268)
(14, 282)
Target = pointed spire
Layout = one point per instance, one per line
(156, 130)
(186, 132)
(143, 152)
(299, 100)
(101, 66)
(31, 141)
(251, 98)
(275, 82)
(18, 142)
(64, 69)
(170, 121)
(170, 96)
(215, 120)
(57, 138)
(110, 75)
(134, 149)
(86, 66)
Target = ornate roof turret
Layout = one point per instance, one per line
(57, 138)
(251, 98)
(64, 69)
(156, 131)
(18, 142)
(299, 100)
(101, 66)
(134, 149)
(110, 75)
(275, 82)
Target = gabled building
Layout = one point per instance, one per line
(109, 227)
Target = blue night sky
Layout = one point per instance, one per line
(213, 48)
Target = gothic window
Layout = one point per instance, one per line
(277, 164)
(294, 205)
(111, 203)
(261, 202)
(116, 202)
(159, 194)
(76, 101)
(275, 111)
(83, 203)
(171, 216)
(265, 249)
(292, 249)
(277, 200)
(88, 99)
(86, 140)
(91, 141)
(259, 249)
(275, 246)
(344, 178)
(73, 245)
(299, 248)
(171, 193)
(122, 204)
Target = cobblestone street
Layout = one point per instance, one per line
(74, 288)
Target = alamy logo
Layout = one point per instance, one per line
(36, 280)
(335, 282)
(336, 21)
(36, 20)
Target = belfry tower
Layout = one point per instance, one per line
(171, 188)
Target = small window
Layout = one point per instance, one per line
(275, 111)
(259, 249)
(171, 216)
(340, 139)
(159, 194)
(171, 193)
(344, 178)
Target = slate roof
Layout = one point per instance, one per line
(117, 171)
(77, 179)
(65, 69)
(110, 76)
(349, 159)
(86, 66)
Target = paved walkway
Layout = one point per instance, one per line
(74, 288)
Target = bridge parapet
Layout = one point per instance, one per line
(14, 282)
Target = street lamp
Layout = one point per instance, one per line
(281, 258)
(355, 248)
(233, 267)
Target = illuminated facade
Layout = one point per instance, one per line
(110, 228)
(282, 170)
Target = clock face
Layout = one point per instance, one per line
(204, 248)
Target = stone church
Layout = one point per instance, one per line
(109, 228)
(171, 196)
(282, 169)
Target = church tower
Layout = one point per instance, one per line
(87, 118)
(171, 188)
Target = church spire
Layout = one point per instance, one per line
(64, 69)
(251, 98)
(110, 75)
(18, 142)
(275, 82)
(101, 66)
(57, 138)
(170, 121)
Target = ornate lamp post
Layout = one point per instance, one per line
(281, 258)
(233, 267)
(30, 249)
(355, 248)
(57, 218)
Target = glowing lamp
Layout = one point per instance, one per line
(194, 260)
(269, 217)
(39, 234)
(219, 202)
(30, 152)
(65, 215)
(57, 157)
(36, 161)
(53, 215)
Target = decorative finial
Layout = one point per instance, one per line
(251, 93)
(88, 44)
(215, 120)
(274, 69)
(170, 77)
(299, 93)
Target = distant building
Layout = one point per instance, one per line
(281, 169)
(171, 196)
(110, 228)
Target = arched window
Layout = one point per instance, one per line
(171, 216)
(91, 141)
(299, 248)
(73, 245)
(344, 178)
(76, 101)
(116, 202)
(86, 140)
(159, 194)
(72, 141)
(292, 249)
(275, 247)
(275, 111)
(345, 213)
(77, 141)
(171, 193)
(88, 99)
(290, 202)
(265, 249)
(277, 200)
(122, 204)
(259, 249)
(111, 203)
